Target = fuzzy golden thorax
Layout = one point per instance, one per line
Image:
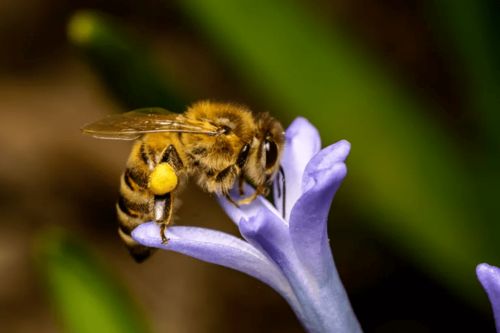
(260, 134)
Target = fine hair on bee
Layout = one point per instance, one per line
(215, 144)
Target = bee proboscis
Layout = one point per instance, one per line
(217, 144)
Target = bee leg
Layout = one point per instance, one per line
(282, 191)
(240, 164)
(171, 156)
(163, 211)
(225, 180)
(231, 200)
(163, 180)
(249, 199)
(258, 191)
(163, 228)
(241, 184)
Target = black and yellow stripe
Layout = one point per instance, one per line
(136, 204)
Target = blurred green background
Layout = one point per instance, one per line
(413, 85)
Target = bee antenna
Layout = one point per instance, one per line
(283, 190)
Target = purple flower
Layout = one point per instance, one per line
(286, 246)
(489, 276)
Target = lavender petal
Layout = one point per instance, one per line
(302, 143)
(489, 276)
(323, 308)
(270, 236)
(217, 248)
(308, 221)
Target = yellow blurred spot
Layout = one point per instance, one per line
(163, 179)
(80, 27)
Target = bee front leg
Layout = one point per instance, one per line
(240, 163)
(225, 180)
(241, 185)
(260, 190)
(231, 200)
(249, 199)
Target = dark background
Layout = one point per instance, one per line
(58, 187)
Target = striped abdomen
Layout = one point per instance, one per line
(136, 204)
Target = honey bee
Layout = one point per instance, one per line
(217, 144)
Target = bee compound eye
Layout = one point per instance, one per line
(226, 129)
(271, 151)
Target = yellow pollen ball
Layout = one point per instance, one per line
(162, 179)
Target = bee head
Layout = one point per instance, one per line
(266, 150)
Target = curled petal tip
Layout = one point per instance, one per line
(330, 177)
(344, 147)
(482, 268)
(331, 155)
(302, 143)
(147, 234)
(486, 272)
(488, 275)
(298, 123)
(327, 166)
(306, 134)
(144, 231)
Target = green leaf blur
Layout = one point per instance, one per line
(123, 64)
(86, 297)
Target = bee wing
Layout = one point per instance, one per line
(131, 125)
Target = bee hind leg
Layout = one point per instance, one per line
(163, 228)
(162, 181)
(163, 211)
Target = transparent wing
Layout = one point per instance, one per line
(131, 125)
